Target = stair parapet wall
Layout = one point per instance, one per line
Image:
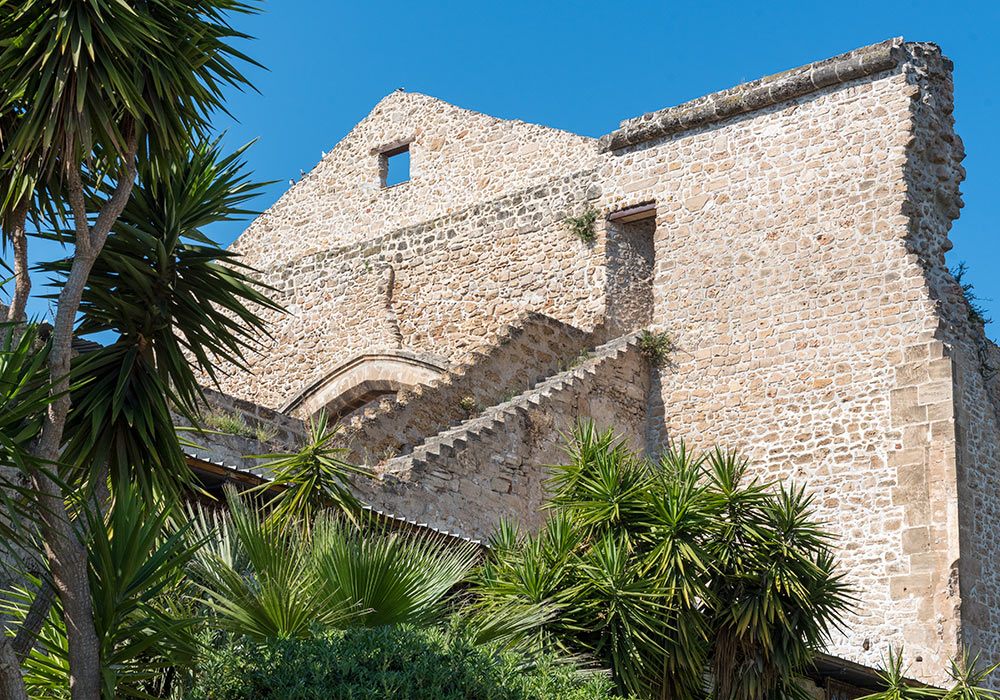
(493, 466)
(280, 432)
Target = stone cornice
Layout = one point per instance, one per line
(755, 95)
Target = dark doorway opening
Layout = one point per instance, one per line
(630, 263)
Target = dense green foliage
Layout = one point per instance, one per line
(666, 571)
(134, 567)
(383, 663)
(268, 578)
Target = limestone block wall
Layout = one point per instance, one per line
(456, 281)
(493, 466)
(527, 351)
(797, 256)
(787, 266)
(457, 158)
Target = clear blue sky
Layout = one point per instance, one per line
(585, 66)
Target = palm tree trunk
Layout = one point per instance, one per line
(11, 682)
(64, 544)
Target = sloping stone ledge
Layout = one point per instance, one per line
(755, 95)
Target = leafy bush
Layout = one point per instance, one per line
(383, 663)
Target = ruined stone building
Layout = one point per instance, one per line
(789, 233)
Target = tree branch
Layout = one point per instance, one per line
(33, 621)
(78, 208)
(22, 278)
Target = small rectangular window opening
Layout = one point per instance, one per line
(394, 166)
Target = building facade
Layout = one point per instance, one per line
(789, 233)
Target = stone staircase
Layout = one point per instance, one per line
(490, 465)
(535, 346)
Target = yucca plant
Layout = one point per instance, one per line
(314, 478)
(95, 91)
(671, 571)
(177, 303)
(969, 676)
(134, 564)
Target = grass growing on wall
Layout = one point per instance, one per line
(232, 423)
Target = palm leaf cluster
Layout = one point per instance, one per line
(280, 579)
(136, 573)
(313, 479)
(673, 572)
(176, 302)
(969, 676)
(84, 77)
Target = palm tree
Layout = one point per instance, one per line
(97, 87)
(667, 572)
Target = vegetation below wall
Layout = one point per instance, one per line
(384, 663)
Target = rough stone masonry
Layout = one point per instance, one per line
(789, 232)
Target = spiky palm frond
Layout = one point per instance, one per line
(24, 395)
(625, 611)
(278, 594)
(390, 577)
(166, 288)
(99, 70)
(178, 303)
(895, 684)
(603, 484)
(280, 579)
(314, 478)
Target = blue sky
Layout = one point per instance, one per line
(585, 66)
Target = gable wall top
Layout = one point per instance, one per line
(457, 158)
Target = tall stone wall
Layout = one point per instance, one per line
(456, 281)
(790, 269)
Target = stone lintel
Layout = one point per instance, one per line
(755, 95)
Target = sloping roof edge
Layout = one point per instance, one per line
(202, 463)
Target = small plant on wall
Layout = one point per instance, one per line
(656, 346)
(582, 226)
(468, 404)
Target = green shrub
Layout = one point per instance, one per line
(656, 346)
(383, 663)
(583, 226)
